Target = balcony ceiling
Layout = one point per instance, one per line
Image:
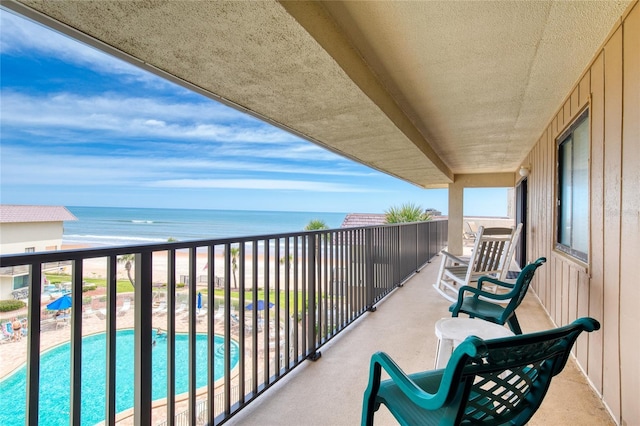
(423, 91)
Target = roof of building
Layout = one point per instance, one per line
(353, 220)
(10, 213)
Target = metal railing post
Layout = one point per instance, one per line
(142, 339)
(191, 402)
(33, 346)
(76, 343)
(368, 274)
(110, 336)
(311, 298)
(171, 337)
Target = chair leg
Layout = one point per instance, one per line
(514, 325)
(369, 403)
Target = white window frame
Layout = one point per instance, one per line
(572, 194)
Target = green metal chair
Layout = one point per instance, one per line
(486, 382)
(486, 305)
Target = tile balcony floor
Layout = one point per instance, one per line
(329, 391)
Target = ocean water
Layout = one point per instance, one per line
(116, 226)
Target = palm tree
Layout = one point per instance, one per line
(315, 225)
(235, 251)
(408, 212)
(128, 260)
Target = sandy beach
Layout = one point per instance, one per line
(97, 267)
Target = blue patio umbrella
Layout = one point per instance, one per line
(199, 301)
(60, 303)
(260, 305)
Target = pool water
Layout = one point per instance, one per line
(55, 387)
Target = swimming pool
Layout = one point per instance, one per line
(55, 377)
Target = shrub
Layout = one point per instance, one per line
(11, 305)
(88, 287)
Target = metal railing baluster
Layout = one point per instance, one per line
(142, 339)
(111, 340)
(192, 334)
(33, 346)
(171, 337)
(76, 343)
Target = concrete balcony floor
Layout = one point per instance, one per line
(329, 391)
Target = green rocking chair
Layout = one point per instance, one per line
(486, 382)
(486, 305)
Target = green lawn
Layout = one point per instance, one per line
(122, 286)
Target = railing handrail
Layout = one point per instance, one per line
(15, 259)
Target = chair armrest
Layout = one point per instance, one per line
(455, 309)
(454, 258)
(495, 281)
(417, 395)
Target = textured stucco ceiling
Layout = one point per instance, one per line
(473, 75)
(420, 90)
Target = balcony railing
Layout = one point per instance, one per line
(267, 304)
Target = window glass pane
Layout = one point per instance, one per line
(564, 220)
(573, 190)
(580, 200)
(20, 282)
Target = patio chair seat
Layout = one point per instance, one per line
(481, 308)
(488, 305)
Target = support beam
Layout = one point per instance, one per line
(456, 220)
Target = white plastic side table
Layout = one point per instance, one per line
(452, 331)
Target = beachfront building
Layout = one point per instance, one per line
(28, 229)
(541, 96)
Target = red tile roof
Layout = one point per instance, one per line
(353, 220)
(10, 213)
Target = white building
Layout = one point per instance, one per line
(25, 229)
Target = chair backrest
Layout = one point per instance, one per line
(472, 227)
(521, 286)
(503, 381)
(510, 252)
(489, 252)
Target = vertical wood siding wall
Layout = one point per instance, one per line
(608, 288)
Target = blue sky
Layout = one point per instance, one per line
(79, 127)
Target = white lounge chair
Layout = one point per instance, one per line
(220, 313)
(161, 309)
(181, 308)
(126, 305)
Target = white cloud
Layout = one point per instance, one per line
(155, 123)
(136, 117)
(21, 165)
(261, 184)
(25, 37)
